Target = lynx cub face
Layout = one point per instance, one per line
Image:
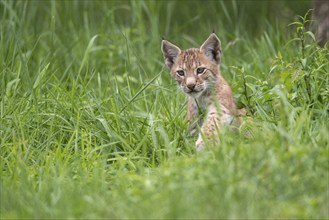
(193, 69)
(196, 70)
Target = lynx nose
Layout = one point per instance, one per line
(191, 86)
(190, 83)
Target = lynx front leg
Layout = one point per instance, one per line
(209, 131)
(213, 124)
(199, 143)
(192, 116)
(209, 128)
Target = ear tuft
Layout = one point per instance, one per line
(211, 48)
(170, 53)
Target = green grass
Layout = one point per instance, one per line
(92, 126)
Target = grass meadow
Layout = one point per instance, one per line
(92, 126)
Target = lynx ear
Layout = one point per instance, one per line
(211, 48)
(170, 53)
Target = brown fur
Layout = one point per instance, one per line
(207, 92)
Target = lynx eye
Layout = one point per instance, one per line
(180, 72)
(200, 70)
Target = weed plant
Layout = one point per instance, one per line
(92, 126)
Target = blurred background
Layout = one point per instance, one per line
(59, 28)
(121, 39)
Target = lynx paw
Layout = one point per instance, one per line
(199, 144)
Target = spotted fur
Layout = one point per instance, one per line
(196, 71)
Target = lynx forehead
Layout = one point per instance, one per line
(196, 71)
(190, 59)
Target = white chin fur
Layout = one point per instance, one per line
(194, 94)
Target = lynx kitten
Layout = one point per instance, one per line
(197, 73)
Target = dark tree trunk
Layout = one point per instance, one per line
(321, 14)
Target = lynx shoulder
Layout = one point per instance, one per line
(197, 73)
